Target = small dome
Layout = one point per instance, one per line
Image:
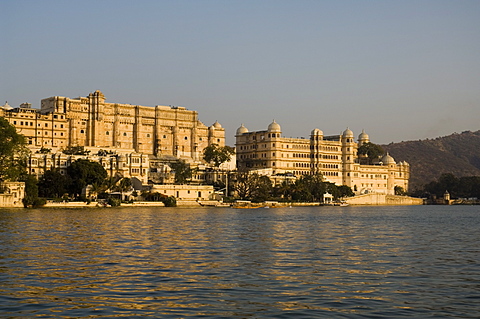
(242, 130)
(274, 127)
(317, 132)
(217, 125)
(387, 159)
(363, 136)
(347, 133)
(6, 106)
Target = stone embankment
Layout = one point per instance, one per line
(383, 199)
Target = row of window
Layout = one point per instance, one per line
(325, 148)
(262, 137)
(22, 123)
(46, 133)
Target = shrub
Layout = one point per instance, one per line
(114, 202)
(170, 201)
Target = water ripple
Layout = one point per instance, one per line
(353, 262)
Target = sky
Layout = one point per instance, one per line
(400, 70)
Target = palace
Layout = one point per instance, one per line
(91, 122)
(127, 140)
(335, 157)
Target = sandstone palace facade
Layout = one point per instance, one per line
(335, 157)
(161, 131)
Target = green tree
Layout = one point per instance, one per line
(169, 201)
(183, 171)
(284, 190)
(446, 182)
(372, 151)
(31, 198)
(13, 152)
(53, 184)
(252, 186)
(217, 155)
(469, 187)
(245, 184)
(263, 189)
(84, 172)
(76, 150)
(345, 191)
(309, 188)
(399, 190)
(124, 185)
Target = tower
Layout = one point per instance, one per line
(348, 155)
(363, 138)
(316, 138)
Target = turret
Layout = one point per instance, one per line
(316, 138)
(348, 156)
(388, 161)
(363, 138)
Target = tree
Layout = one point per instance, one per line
(13, 152)
(309, 188)
(31, 198)
(399, 190)
(84, 172)
(345, 191)
(124, 185)
(284, 190)
(183, 171)
(76, 150)
(262, 190)
(53, 184)
(372, 151)
(217, 155)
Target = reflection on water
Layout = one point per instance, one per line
(350, 262)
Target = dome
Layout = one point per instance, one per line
(274, 127)
(387, 159)
(347, 133)
(217, 125)
(242, 130)
(317, 132)
(363, 136)
(6, 106)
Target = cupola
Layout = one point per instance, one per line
(242, 130)
(274, 127)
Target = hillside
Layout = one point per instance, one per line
(458, 154)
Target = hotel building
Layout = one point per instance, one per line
(335, 157)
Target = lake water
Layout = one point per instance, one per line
(309, 262)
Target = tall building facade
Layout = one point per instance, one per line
(90, 121)
(335, 157)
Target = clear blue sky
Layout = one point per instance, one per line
(401, 70)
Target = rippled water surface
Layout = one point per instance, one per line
(321, 262)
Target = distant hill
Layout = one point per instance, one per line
(458, 154)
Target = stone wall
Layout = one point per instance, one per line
(383, 199)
